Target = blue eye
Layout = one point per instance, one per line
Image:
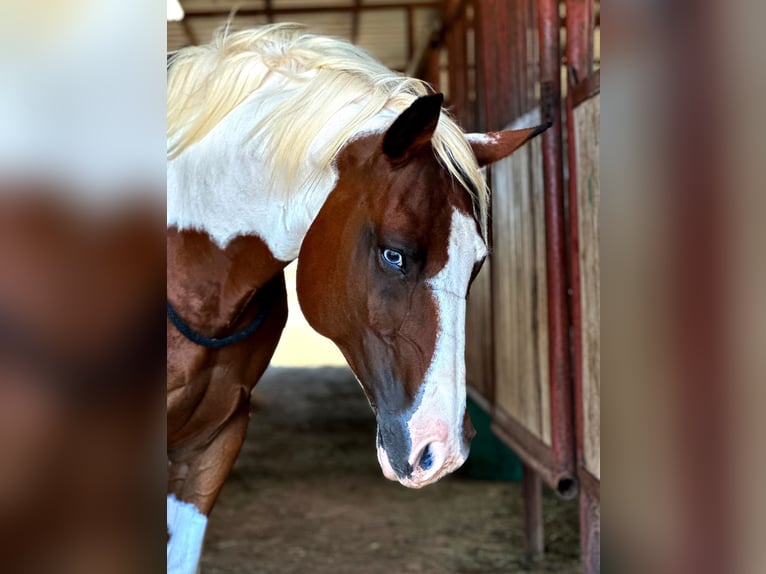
(393, 258)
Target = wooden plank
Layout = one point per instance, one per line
(587, 118)
(502, 294)
(519, 290)
(540, 287)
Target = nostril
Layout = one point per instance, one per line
(426, 459)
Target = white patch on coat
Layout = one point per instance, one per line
(222, 184)
(438, 420)
(479, 138)
(186, 526)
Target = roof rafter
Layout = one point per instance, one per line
(314, 9)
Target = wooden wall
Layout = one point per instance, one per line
(519, 301)
(587, 118)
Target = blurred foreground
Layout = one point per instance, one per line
(82, 281)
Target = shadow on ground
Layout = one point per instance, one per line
(307, 497)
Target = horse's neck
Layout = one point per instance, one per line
(222, 185)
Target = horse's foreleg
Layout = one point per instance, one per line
(192, 498)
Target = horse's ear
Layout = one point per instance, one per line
(492, 146)
(414, 127)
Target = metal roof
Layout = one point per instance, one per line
(393, 32)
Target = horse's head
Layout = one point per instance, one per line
(384, 272)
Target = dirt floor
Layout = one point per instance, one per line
(307, 497)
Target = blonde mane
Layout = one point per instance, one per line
(324, 76)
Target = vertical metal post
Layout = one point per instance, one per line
(579, 47)
(579, 52)
(493, 64)
(458, 77)
(533, 512)
(590, 531)
(432, 71)
(562, 427)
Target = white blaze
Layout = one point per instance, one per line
(438, 420)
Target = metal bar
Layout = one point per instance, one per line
(579, 26)
(562, 425)
(511, 60)
(485, 64)
(457, 59)
(270, 11)
(453, 10)
(521, 54)
(469, 42)
(533, 65)
(433, 67)
(590, 531)
(533, 513)
(533, 452)
(596, 19)
(287, 10)
(581, 85)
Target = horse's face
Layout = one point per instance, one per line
(384, 272)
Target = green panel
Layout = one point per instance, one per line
(490, 458)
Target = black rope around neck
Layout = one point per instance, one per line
(213, 342)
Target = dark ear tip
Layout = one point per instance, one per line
(540, 129)
(431, 100)
(414, 126)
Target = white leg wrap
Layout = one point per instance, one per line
(187, 531)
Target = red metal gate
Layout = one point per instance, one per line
(504, 68)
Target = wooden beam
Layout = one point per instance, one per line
(451, 11)
(288, 10)
(410, 33)
(190, 35)
(355, 22)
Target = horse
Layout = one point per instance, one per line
(285, 145)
